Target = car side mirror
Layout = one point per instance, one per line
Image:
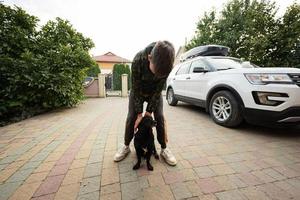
(200, 70)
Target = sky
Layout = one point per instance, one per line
(124, 27)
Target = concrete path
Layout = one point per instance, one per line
(68, 154)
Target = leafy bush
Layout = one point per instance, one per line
(93, 71)
(40, 69)
(118, 70)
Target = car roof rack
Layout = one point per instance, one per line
(206, 50)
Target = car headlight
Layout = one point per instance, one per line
(262, 79)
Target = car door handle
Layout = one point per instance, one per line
(187, 78)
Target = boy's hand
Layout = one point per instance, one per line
(138, 121)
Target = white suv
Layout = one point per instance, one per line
(232, 90)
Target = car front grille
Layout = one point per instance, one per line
(295, 78)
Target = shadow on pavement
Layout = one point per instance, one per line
(271, 130)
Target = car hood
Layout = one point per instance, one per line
(274, 70)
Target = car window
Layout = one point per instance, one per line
(227, 63)
(184, 68)
(198, 63)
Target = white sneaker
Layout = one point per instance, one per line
(122, 153)
(168, 156)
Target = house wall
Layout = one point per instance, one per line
(106, 65)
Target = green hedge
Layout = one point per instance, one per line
(41, 69)
(118, 70)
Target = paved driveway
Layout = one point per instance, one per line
(68, 154)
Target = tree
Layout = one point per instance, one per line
(252, 32)
(118, 70)
(93, 71)
(40, 70)
(287, 39)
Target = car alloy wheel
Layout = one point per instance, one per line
(221, 108)
(225, 110)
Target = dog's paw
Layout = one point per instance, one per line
(150, 167)
(156, 156)
(136, 166)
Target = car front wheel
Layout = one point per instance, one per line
(225, 110)
(171, 97)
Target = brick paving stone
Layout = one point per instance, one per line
(189, 174)
(44, 197)
(158, 192)
(89, 196)
(289, 188)
(250, 179)
(112, 196)
(239, 167)
(67, 192)
(274, 192)
(125, 167)
(92, 169)
(208, 197)
(131, 190)
(180, 191)
(194, 188)
(128, 176)
(73, 176)
(295, 182)
(89, 185)
(173, 177)
(204, 172)
(143, 181)
(257, 164)
(185, 164)
(16, 164)
(209, 185)
(6, 173)
(155, 180)
(265, 178)
(9, 159)
(20, 175)
(47, 166)
(79, 163)
(213, 160)
(109, 176)
(231, 195)
(274, 174)
(87, 137)
(197, 162)
(232, 158)
(113, 188)
(49, 186)
(226, 182)
(254, 193)
(222, 169)
(59, 170)
(31, 164)
(287, 172)
(36, 177)
(7, 189)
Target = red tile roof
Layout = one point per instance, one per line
(110, 57)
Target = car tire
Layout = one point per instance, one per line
(225, 110)
(172, 101)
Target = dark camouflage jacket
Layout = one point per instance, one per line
(145, 86)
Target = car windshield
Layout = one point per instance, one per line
(229, 63)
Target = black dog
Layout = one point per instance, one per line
(144, 142)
